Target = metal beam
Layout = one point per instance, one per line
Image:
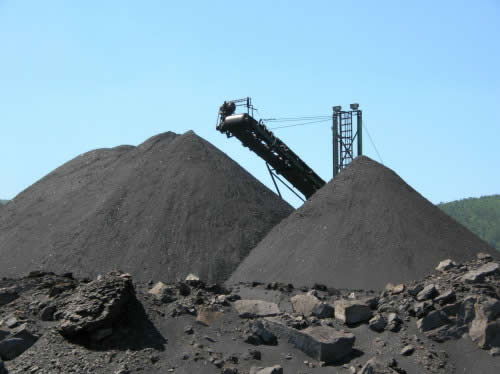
(360, 133)
(335, 144)
(274, 181)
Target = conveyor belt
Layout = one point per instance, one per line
(271, 149)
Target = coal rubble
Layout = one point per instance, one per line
(56, 324)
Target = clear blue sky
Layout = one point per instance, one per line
(79, 75)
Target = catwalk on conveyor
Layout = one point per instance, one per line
(278, 155)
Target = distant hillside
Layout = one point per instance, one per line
(3, 201)
(480, 215)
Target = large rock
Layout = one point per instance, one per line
(47, 313)
(304, 304)
(488, 335)
(446, 332)
(478, 275)
(378, 323)
(255, 308)
(446, 297)
(163, 292)
(375, 366)
(484, 329)
(413, 291)
(394, 289)
(322, 343)
(7, 295)
(407, 350)
(397, 289)
(352, 311)
(487, 308)
(13, 346)
(421, 309)
(429, 292)
(451, 310)
(192, 278)
(323, 310)
(466, 311)
(95, 305)
(276, 369)
(393, 322)
(208, 315)
(432, 321)
(12, 321)
(259, 333)
(483, 256)
(446, 265)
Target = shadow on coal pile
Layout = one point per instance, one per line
(134, 331)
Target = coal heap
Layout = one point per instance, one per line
(364, 229)
(171, 206)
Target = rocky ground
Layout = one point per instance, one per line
(448, 322)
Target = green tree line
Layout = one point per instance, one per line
(480, 215)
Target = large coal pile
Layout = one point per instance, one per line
(363, 230)
(168, 207)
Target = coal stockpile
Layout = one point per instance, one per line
(364, 229)
(171, 206)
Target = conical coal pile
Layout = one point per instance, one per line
(364, 229)
(171, 206)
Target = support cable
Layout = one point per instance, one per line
(373, 144)
(301, 124)
(295, 119)
(260, 114)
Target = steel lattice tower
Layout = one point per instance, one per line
(344, 138)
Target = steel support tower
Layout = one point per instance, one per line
(344, 137)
